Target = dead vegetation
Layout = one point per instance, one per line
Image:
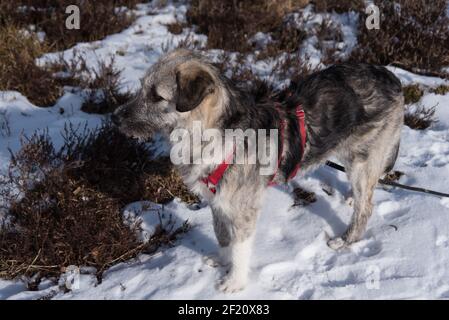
(18, 70)
(98, 19)
(441, 89)
(412, 93)
(416, 115)
(65, 205)
(175, 27)
(303, 197)
(393, 176)
(419, 117)
(101, 85)
(20, 21)
(5, 128)
(413, 35)
(339, 6)
(230, 24)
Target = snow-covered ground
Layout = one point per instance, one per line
(404, 253)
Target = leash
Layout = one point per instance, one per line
(393, 184)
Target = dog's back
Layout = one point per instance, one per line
(346, 100)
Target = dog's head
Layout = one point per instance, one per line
(176, 90)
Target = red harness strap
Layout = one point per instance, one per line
(215, 176)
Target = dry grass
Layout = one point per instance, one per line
(175, 27)
(18, 71)
(5, 128)
(339, 6)
(419, 118)
(98, 19)
(393, 176)
(68, 209)
(103, 85)
(19, 47)
(230, 24)
(412, 93)
(303, 197)
(441, 89)
(414, 38)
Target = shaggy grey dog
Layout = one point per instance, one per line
(353, 112)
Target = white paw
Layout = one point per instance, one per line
(230, 284)
(337, 243)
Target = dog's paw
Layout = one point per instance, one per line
(231, 284)
(337, 243)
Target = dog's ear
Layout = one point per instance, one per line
(193, 85)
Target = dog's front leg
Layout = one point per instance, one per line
(222, 228)
(234, 233)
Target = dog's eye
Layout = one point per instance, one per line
(154, 96)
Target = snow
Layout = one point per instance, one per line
(404, 253)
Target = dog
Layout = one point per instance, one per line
(353, 112)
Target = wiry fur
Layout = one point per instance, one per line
(354, 112)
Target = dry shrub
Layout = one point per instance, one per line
(101, 85)
(175, 27)
(230, 24)
(441, 89)
(18, 71)
(303, 197)
(413, 36)
(68, 209)
(419, 118)
(286, 37)
(20, 48)
(393, 176)
(339, 6)
(97, 18)
(5, 128)
(104, 89)
(412, 93)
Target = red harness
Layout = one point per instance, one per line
(215, 176)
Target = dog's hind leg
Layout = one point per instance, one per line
(363, 178)
(392, 158)
(364, 170)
